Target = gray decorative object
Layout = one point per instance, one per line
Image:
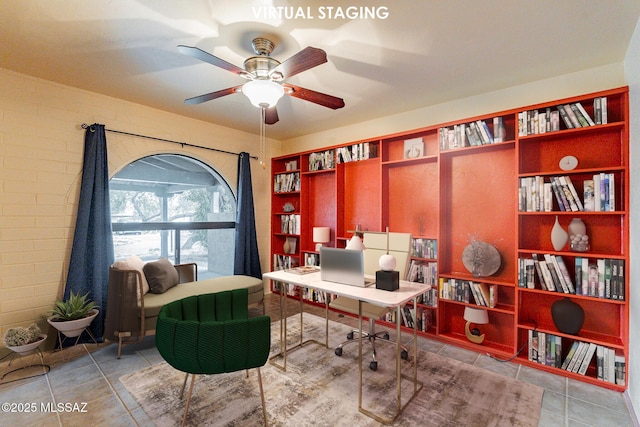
(288, 207)
(481, 258)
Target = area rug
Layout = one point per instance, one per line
(321, 389)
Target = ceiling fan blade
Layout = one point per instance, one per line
(200, 54)
(271, 116)
(323, 99)
(307, 58)
(213, 95)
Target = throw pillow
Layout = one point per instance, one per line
(134, 263)
(161, 275)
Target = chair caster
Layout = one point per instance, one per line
(350, 335)
(385, 336)
(404, 354)
(373, 366)
(338, 351)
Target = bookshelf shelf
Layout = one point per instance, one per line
(432, 183)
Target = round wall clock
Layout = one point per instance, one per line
(568, 163)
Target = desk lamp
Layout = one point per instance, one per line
(321, 235)
(476, 316)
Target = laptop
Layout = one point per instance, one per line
(343, 266)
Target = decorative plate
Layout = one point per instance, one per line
(481, 258)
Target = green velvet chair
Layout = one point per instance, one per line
(213, 334)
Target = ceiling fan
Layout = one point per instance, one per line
(266, 77)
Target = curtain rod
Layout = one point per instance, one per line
(183, 144)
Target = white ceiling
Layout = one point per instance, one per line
(423, 53)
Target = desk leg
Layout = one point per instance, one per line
(283, 332)
(417, 385)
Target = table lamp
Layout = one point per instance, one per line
(321, 235)
(478, 317)
(355, 244)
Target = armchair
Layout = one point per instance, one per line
(213, 334)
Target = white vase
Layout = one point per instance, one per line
(559, 236)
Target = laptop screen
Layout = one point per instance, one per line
(342, 266)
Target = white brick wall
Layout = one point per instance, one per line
(41, 150)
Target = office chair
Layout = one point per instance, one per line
(376, 246)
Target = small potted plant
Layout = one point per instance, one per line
(24, 340)
(73, 315)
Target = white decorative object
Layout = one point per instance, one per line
(578, 239)
(72, 328)
(387, 262)
(559, 236)
(355, 243)
(321, 235)
(568, 163)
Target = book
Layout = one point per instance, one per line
(577, 357)
(499, 131)
(587, 359)
(565, 118)
(620, 370)
(584, 114)
(588, 195)
(570, 354)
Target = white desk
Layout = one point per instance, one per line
(408, 291)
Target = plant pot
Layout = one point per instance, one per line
(72, 328)
(23, 350)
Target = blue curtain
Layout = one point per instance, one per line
(92, 251)
(247, 259)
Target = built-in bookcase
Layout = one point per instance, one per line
(443, 184)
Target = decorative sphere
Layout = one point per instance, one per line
(387, 262)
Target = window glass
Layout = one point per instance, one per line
(175, 207)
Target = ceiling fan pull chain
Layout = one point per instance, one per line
(263, 111)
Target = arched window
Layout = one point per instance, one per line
(176, 207)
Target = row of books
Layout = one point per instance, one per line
(290, 224)
(424, 248)
(429, 297)
(361, 151)
(600, 193)
(546, 349)
(537, 195)
(291, 165)
(284, 262)
(534, 122)
(551, 271)
(324, 160)
(482, 294)
(573, 115)
(316, 296)
(602, 279)
(311, 259)
(286, 182)
(472, 134)
(421, 318)
(423, 272)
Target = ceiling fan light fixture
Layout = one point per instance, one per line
(263, 92)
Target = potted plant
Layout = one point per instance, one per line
(73, 315)
(23, 340)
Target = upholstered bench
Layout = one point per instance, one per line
(138, 291)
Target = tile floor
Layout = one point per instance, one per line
(90, 373)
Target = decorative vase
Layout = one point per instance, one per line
(578, 239)
(567, 315)
(72, 328)
(559, 236)
(286, 247)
